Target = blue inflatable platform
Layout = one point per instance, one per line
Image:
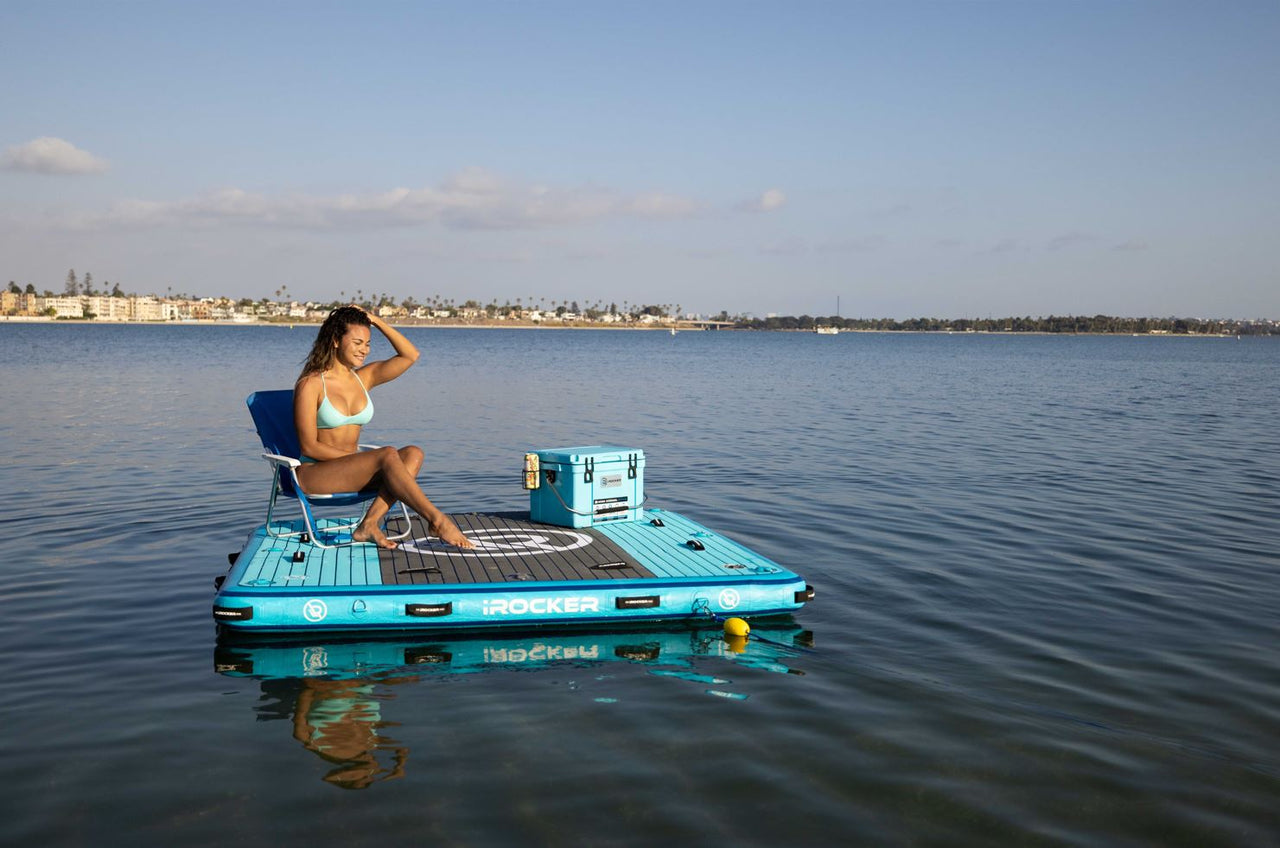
(656, 566)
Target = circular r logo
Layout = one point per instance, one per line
(729, 599)
(314, 610)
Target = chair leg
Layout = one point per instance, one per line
(311, 524)
(404, 512)
(338, 527)
(408, 525)
(271, 505)
(308, 520)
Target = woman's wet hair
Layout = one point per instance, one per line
(331, 332)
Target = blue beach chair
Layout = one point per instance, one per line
(272, 413)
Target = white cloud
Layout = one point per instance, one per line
(789, 246)
(663, 205)
(797, 245)
(767, 202)
(856, 244)
(1008, 245)
(473, 199)
(48, 155)
(1070, 240)
(896, 210)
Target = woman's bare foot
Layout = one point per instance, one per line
(449, 533)
(373, 536)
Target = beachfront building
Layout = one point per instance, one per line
(17, 303)
(106, 308)
(62, 307)
(224, 310)
(200, 309)
(149, 308)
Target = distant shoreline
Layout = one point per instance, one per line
(529, 325)
(511, 325)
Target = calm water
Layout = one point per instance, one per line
(1048, 599)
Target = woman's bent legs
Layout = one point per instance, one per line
(370, 529)
(395, 472)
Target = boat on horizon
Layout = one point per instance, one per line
(830, 331)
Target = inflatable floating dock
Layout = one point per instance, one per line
(586, 553)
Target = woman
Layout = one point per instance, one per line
(330, 404)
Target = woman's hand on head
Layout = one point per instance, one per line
(373, 317)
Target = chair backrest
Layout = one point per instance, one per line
(272, 413)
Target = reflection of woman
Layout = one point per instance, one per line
(330, 404)
(339, 720)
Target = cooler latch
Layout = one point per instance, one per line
(633, 466)
(588, 469)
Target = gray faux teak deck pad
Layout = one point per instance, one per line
(509, 548)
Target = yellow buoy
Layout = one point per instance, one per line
(736, 627)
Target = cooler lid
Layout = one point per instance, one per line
(599, 453)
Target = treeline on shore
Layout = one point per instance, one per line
(1050, 324)
(83, 300)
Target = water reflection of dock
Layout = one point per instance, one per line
(336, 694)
(371, 659)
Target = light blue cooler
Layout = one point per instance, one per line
(585, 486)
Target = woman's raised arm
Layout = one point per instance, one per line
(386, 370)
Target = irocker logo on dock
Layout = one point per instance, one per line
(540, 606)
(315, 610)
(542, 653)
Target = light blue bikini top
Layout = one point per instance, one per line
(328, 417)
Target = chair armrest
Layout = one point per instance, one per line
(276, 459)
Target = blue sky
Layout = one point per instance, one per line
(954, 159)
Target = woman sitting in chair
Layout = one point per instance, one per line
(331, 402)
